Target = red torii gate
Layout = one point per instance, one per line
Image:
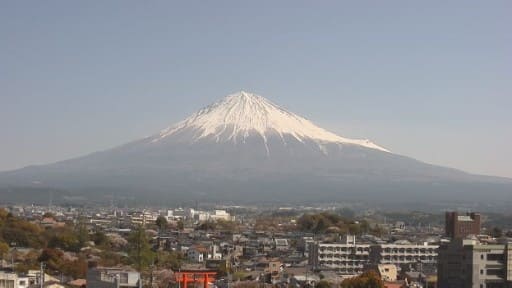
(183, 277)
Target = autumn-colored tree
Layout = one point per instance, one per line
(320, 222)
(21, 232)
(55, 262)
(62, 237)
(323, 284)
(52, 257)
(4, 249)
(369, 279)
(48, 215)
(3, 215)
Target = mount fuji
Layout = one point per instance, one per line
(244, 148)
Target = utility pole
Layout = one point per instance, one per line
(13, 254)
(151, 277)
(421, 271)
(180, 276)
(41, 275)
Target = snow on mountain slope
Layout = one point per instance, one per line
(239, 115)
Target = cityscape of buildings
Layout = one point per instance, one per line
(217, 243)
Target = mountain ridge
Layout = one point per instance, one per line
(262, 154)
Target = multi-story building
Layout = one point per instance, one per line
(220, 215)
(465, 263)
(347, 258)
(403, 254)
(350, 258)
(143, 217)
(460, 226)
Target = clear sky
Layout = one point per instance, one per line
(427, 79)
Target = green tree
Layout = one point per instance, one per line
(180, 225)
(496, 232)
(82, 233)
(161, 222)
(99, 238)
(140, 252)
(169, 259)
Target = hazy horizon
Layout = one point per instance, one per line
(426, 80)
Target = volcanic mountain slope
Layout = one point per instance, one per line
(245, 148)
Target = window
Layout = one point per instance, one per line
(481, 272)
(495, 257)
(123, 277)
(496, 272)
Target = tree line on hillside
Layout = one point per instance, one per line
(326, 222)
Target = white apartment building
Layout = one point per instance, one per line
(404, 253)
(347, 257)
(350, 258)
(220, 215)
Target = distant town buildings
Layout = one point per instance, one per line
(198, 215)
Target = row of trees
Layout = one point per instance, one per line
(329, 222)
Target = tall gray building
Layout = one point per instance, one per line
(465, 263)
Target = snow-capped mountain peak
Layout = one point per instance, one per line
(241, 114)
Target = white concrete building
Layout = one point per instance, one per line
(347, 258)
(220, 215)
(403, 254)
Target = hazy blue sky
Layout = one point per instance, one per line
(427, 79)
